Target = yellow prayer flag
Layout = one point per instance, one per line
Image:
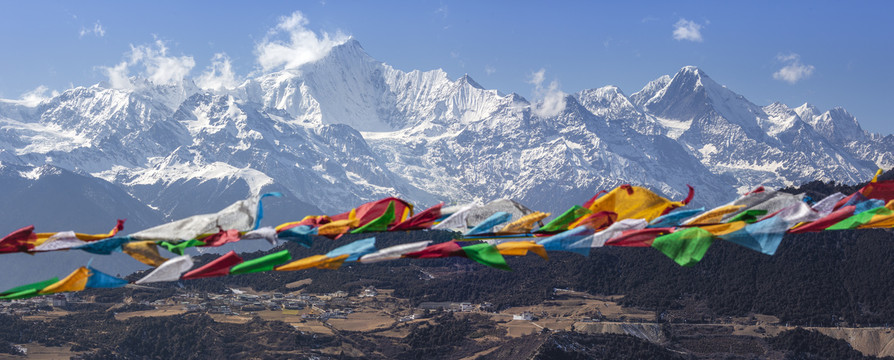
(315, 261)
(524, 224)
(145, 252)
(521, 248)
(309, 217)
(76, 281)
(715, 215)
(633, 202)
(724, 228)
(337, 227)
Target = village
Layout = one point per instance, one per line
(369, 309)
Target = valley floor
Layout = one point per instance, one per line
(375, 324)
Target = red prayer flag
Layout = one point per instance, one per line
(685, 201)
(882, 190)
(219, 267)
(829, 220)
(422, 220)
(757, 190)
(371, 210)
(221, 238)
(19, 240)
(442, 250)
(598, 221)
(638, 238)
(841, 202)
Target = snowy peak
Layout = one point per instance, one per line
(607, 101)
(347, 128)
(610, 103)
(680, 98)
(839, 126)
(836, 125)
(779, 118)
(693, 101)
(651, 90)
(467, 80)
(807, 112)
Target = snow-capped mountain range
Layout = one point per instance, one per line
(348, 128)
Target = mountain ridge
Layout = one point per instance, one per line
(348, 128)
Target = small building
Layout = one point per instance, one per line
(369, 292)
(60, 300)
(446, 305)
(526, 316)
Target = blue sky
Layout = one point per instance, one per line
(826, 53)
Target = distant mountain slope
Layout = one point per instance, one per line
(348, 128)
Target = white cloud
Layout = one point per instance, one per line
(118, 77)
(490, 70)
(302, 45)
(219, 75)
(687, 30)
(550, 100)
(39, 94)
(794, 70)
(97, 30)
(157, 66)
(160, 68)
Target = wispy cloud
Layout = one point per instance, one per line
(36, 96)
(443, 11)
(490, 69)
(550, 101)
(219, 75)
(157, 66)
(687, 30)
(97, 30)
(300, 46)
(794, 70)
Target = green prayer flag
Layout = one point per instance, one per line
(378, 224)
(263, 263)
(686, 247)
(748, 216)
(855, 221)
(177, 248)
(38, 285)
(561, 223)
(24, 294)
(486, 254)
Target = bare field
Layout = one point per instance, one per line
(40, 352)
(313, 326)
(299, 283)
(577, 308)
(161, 311)
(47, 316)
(362, 321)
(232, 319)
(518, 328)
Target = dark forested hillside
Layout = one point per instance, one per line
(827, 278)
